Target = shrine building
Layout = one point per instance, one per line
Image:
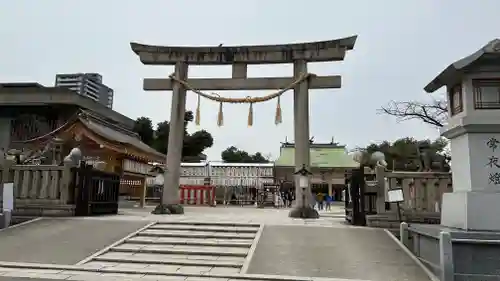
(34, 118)
(329, 165)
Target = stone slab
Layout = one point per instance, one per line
(195, 234)
(166, 259)
(195, 242)
(210, 228)
(69, 272)
(61, 241)
(351, 253)
(182, 248)
(191, 222)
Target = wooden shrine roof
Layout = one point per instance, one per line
(109, 135)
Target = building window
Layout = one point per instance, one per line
(486, 93)
(456, 99)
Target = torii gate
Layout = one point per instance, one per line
(239, 57)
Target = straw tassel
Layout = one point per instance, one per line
(277, 118)
(220, 116)
(250, 115)
(197, 115)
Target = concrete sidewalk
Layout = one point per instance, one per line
(288, 249)
(351, 253)
(61, 241)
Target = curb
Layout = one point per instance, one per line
(252, 249)
(256, 277)
(21, 224)
(429, 274)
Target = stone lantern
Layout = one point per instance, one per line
(465, 245)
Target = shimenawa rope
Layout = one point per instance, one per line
(250, 100)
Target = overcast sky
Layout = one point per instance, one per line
(402, 45)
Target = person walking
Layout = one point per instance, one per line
(320, 198)
(329, 200)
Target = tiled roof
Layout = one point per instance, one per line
(117, 136)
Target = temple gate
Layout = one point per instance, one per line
(239, 57)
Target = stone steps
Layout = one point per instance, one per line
(149, 259)
(216, 224)
(245, 243)
(187, 250)
(195, 234)
(198, 248)
(207, 228)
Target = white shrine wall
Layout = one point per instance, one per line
(194, 173)
(225, 174)
(241, 174)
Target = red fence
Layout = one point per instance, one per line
(197, 194)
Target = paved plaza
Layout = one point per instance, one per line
(367, 254)
(61, 241)
(221, 243)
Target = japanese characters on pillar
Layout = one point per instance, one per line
(493, 161)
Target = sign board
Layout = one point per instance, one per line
(159, 180)
(8, 196)
(395, 195)
(303, 181)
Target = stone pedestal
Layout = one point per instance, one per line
(469, 210)
(473, 204)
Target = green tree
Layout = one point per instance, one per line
(403, 154)
(161, 137)
(144, 128)
(234, 155)
(194, 144)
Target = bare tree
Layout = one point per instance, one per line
(434, 112)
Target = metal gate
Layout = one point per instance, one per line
(96, 192)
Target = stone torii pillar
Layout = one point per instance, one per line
(301, 132)
(239, 57)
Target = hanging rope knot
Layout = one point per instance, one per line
(250, 100)
(250, 110)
